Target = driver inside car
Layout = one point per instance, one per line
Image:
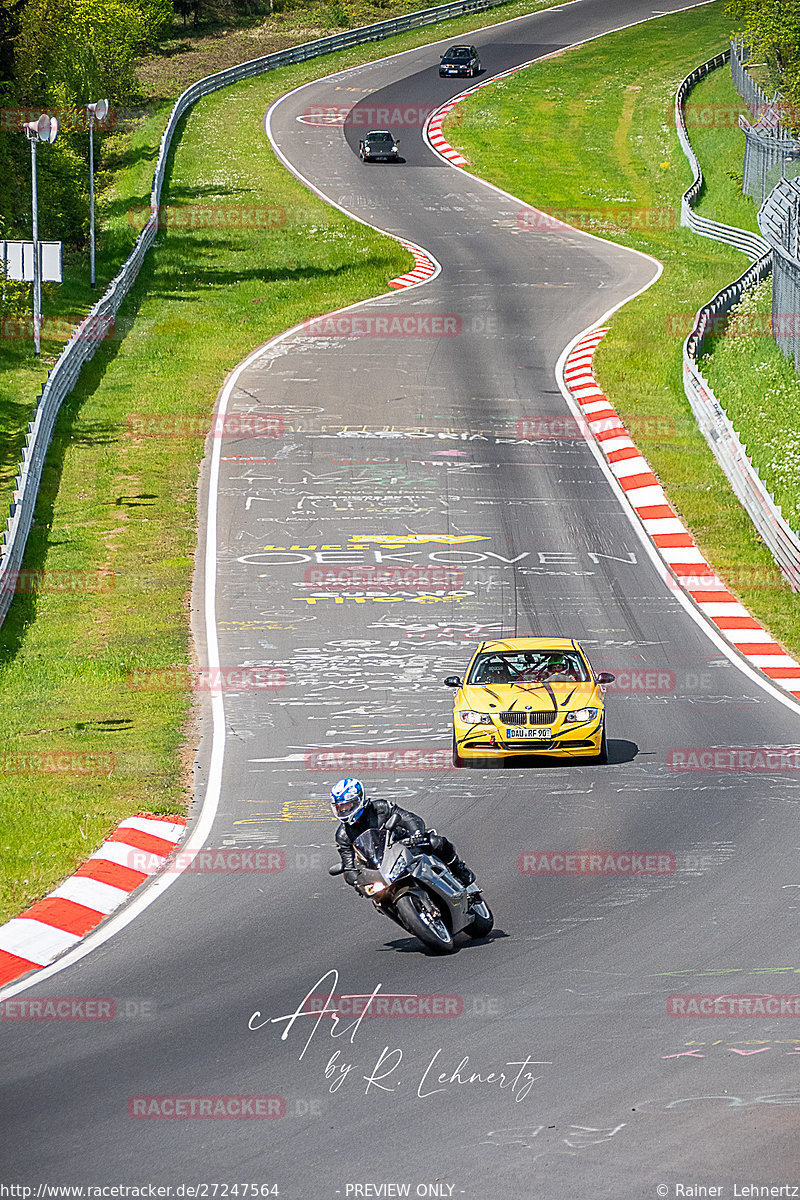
(558, 669)
(356, 813)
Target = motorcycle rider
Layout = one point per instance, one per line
(356, 813)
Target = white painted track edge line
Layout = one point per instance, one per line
(689, 605)
(151, 890)
(686, 601)
(437, 118)
(156, 886)
(406, 243)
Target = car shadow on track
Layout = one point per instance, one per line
(619, 751)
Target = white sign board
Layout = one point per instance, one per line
(18, 258)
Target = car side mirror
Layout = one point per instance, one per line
(606, 677)
(452, 681)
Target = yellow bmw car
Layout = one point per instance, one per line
(531, 695)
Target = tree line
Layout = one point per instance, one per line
(772, 30)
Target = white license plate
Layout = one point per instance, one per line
(541, 734)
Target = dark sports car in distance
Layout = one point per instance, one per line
(460, 60)
(379, 144)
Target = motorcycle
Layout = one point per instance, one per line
(416, 890)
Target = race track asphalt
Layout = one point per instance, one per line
(409, 446)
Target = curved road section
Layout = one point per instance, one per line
(425, 432)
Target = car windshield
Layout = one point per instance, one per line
(458, 53)
(379, 137)
(528, 666)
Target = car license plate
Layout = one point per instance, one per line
(540, 734)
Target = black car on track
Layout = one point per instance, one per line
(377, 145)
(460, 60)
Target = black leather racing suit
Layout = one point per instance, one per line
(375, 815)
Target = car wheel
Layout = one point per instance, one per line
(602, 757)
(457, 759)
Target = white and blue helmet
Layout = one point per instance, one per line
(348, 800)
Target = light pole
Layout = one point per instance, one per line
(43, 130)
(97, 111)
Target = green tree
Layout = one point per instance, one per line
(772, 29)
(72, 51)
(10, 16)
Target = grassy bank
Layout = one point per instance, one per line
(126, 159)
(592, 131)
(82, 748)
(760, 391)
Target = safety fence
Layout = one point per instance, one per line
(779, 221)
(94, 328)
(712, 420)
(771, 152)
(754, 96)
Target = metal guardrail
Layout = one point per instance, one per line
(726, 445)
(749, 243)
(712, 420)
(90, 333)
(779, 221)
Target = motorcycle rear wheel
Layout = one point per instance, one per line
(432, 933)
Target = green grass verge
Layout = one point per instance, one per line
(712, 113)
(126, 160)
(124, 504)
(760, 391)
(592, 132)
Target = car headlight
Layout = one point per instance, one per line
(581, 714)
(475, 718)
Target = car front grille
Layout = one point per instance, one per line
(533, 718)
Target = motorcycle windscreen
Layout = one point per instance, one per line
(370, 846)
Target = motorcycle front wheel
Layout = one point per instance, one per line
(483, 923)
(424, 920)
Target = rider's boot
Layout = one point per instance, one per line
(462, 872)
